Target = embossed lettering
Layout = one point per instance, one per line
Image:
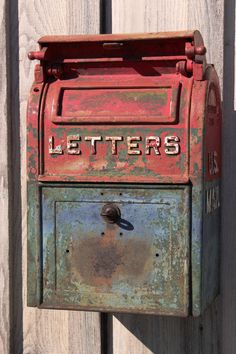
(212, 163)
(136, 145)
(152, 142)
(132, 145)
(114, 140)
(73, 145)
(93, 140)
(212, 199)
(171, 145)
(57, 150)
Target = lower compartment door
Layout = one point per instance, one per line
(139, 264)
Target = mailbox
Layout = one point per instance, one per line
(124, 160)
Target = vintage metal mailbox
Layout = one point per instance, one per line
(124, 159)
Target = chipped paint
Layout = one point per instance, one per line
(130, 258)
(144, 135)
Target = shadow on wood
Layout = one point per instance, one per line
(229, 186)
(134, 334)
(154, 334)
(105, 16)
(16, 301)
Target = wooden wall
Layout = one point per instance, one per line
(32, 331)
(4, 194)
(51, 331)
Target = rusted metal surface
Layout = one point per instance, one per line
(193, 35)
(205, 137)
(141, 110)
(123, 113)
(138, 263)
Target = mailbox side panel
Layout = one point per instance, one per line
(33, 249)
(33, 212)
(205, 161)
(212, 174)
(197, 115)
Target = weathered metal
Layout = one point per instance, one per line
(111, 213)
(124, 160)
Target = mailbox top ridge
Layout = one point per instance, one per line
(188, 35)
(173, 45)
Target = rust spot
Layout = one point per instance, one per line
(100, 261)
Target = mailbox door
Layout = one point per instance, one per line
(138, 264)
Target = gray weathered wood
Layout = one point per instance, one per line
(171, 15)
(148, 334)
(4, 193)
(52, 331)
(43, 331)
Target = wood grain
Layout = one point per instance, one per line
(171, 15)
(58, 332)
(52, 331)
(153, 334)
(149, 334)
(4, 193)
(140, 334)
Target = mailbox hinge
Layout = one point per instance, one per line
(54, 70)
(42, 71)
(50, 70)
(195, 62)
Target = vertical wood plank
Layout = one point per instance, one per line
(52, 331)
(231, 30)
(4, 192)
(16, 309)
(164, 335)
(140, 334)
(153, 334)
(208, 17)
(148, 15)
(171, 15)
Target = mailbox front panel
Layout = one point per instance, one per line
(104, 128)
(139, 264)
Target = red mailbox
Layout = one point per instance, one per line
(124, 159)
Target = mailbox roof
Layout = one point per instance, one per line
(194, 34)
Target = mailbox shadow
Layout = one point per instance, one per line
(14, 174)
(228, 239)
(156, 333)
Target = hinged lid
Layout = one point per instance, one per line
(181, 44)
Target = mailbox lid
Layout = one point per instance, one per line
(138, 265)
(95, 84)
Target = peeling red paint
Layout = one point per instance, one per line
(134, 109)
